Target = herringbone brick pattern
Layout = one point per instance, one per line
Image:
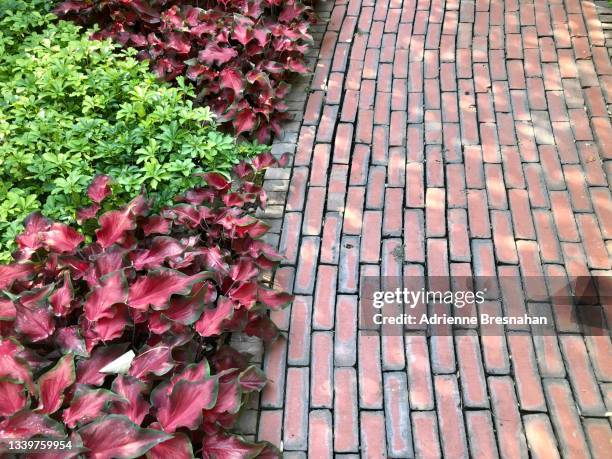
(437, 137)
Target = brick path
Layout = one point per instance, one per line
(457, 136)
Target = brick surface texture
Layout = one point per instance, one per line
(443, 136)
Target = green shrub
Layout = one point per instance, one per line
(71, 108)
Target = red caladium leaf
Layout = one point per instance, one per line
(12, 396)
(99, 189)
(229, 399)
(264, 161)
(61, 238)
(110, 328)
(155, 225)
(211, 322)
(272, 298)
(114, 224)
(26, 424)
(30, 239)
(216, 180)
(53, 383)
(62, 297)
(244, 270)
(157, 360)
(252, 379)
(163, 247)
(116, 437)
(187, 309)
(87, 404)
(34, 318)
(178, 42)
(70, 341)
(156, 288)
(222, 446)
(134, 406)
(88, 371)
(183, 405)
(262, 327)
(7, 309)
(214, 54)
(232, 79)
(112, 290)
(11, 273)
(87, 213)
(246, 121)
(178, 447)
(12, 363)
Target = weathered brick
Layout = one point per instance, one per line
(345, 411)
(452, 429)
(510, 436)
(296, 403)
(321, 387)
(564, 418)
(397, 415)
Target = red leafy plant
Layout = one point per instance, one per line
(119, 343)
(239, 53)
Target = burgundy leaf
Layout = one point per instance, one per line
(62, 297)
(54, 382)
(222, 446)
(16, 271)
(252, 379)
(61, 238)
(214, 54)
(87, 213)
(246, 121)
(99, 188)
(212, 321)
(12, 396)
(110, 328)
(69, 340)
(162, 247)
(34, 318)
(183, 406)
(26, 424)
(156, 288)
(155, 225)
(7, 309)
(88, 371)
(232, 79)
(178, 447)
(114, 224)
(112, 290)
(187, 309)
(244, 270)
(87, 404)
(116, 437)
(134, 406)
(262, 327)
(216, 180)
(178, 42)
(12, 363)
(157, 360)
(273, 299)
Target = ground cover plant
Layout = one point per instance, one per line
(238, 53)
(119, 344)
(72, 108)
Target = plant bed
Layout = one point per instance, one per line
(72, 108)
(239, 54)
(120, 344)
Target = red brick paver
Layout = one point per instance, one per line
(437, 137)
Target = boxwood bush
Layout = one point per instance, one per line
(72, 108)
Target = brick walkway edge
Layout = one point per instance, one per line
(437, 137)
